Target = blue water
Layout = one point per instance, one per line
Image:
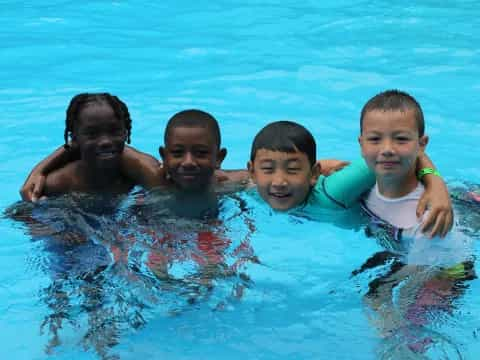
(247, 63)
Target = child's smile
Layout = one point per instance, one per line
(191, 156)
(390, 145)
(100, 135)
(283, 179)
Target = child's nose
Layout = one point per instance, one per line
(387, 147)
(188, 160)
(105, 141)
(279, 180)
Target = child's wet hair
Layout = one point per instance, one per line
(395, 100)
(285, 136)
(79, 101)
(194, 118)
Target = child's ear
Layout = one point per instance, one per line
(250, 170)
(161, 151)
(423, 141)
(316, 171)
(360, 142)
(222, 153)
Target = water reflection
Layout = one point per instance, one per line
(116, 262)
(410, 304)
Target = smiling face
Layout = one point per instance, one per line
(100, 135)
(391, 144)
(191, 156)
(283, 179)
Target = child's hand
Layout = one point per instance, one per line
(33, 187)
(329, 166)
(440, 217)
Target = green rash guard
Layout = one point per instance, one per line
(343, 188)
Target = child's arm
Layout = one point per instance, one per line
(142, 169)
(62, 181)
(345, 187)
(33, 188)
(440, 218)
(139, 167)
(239, 177)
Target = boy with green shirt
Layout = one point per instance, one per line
(283, 166)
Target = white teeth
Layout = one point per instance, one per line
(280, 195)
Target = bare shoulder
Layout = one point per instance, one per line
(62, 180)
(142, 169)
(137, 155)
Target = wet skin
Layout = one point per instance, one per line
(100, 136)
(283, 179)
(390, 146)
(190, 157)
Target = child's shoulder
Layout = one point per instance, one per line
(142, 169)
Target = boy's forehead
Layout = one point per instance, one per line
(277, 155)
(181, 134)
(375, 119)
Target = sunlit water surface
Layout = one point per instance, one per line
(282, 288)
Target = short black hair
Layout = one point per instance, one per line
(193, 118)
(79, 101)
(395, 100)
(285, 136)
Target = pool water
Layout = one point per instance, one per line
(291, 294)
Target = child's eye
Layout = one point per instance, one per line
(373, 139)
(293, 170)
(267, 169)
(176, 153)
(201, 153)
(402, 138)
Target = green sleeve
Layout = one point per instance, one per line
(343, 188)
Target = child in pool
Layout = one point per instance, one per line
(191, 155)
(192, 144)
(99, 125)
(283, 165)
(392, 138)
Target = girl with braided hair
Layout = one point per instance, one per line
(96, 128)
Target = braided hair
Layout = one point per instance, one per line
(80, 100)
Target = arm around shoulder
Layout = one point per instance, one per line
(59, 182)
(346, 186)
(142, 169)
(436, 197)
(33, 188)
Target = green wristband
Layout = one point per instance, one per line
(426, 171)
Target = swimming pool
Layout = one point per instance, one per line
(247, 63)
